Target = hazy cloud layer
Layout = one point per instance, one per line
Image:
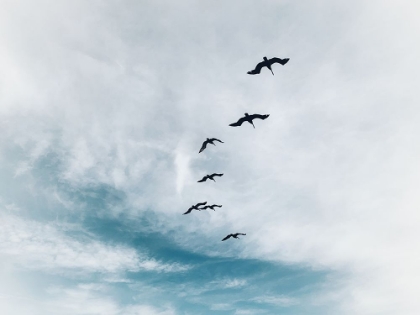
(123, 93)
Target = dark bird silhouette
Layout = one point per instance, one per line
(210, 207)
(211, 177)
(248, 118)
(267, 63)
(195, 207)
(234, 235)
(207, 142)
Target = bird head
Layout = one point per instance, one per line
(265, 58)
(246, 114)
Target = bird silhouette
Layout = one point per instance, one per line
(211, 177)
(207, 142)
(210, 207)
(195, 207)
(267, 63)
(249, 118)
(234, 235)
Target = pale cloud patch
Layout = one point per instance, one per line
(35, 245)
(248, 311)
(281, 300)
(230, 283)
(182, 166)
(82, 299)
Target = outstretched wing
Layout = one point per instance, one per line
(259, 116)
(203, 179)
(188, 211)
(227, 237)
(278, 60)
(218, 206)
(215, 174)
(201, 204)
(203, 146)
(214, 139)
(258, 68)
(240, 233)
(238, 123)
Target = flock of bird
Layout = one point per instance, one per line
(247, 118)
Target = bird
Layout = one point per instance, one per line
(234, 235)
(195, 207)
(267, 63)
(207, 142)
(249, 118)
(210, 207)
(209, 177)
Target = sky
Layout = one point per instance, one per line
(104, 106)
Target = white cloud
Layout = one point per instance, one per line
(230, 283)
(81, 299)
(35, 245)
(282, 300)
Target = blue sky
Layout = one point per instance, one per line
(104, 106)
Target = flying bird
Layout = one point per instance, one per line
(249, 118)
(234, 235)
(211, 177)
(195, 207)
(210, 207)
(267, 63)
(207, 142)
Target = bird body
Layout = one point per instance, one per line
(210, 207)
(211, 177)
(267, 63)
(234, 235)
(208, 140)
(195, 207)
(248, 118)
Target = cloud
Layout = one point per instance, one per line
(329, 181)
(282, 301)
(230, 283)
(81, 299)
(46, 247)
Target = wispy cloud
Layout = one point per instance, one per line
(81, 299)
(35, 245)
(282, 300)
(230, 283)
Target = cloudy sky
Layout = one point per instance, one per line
(104, 105)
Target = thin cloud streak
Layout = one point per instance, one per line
(40, 246)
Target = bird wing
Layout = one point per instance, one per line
(226, 237)
(188, 211)
(259, 116)
(215, 174)
(214, 139)
(203, 146)
(239, 122)
(218, 206)
(203, 179)
(278, 60)
(201, 204)
(240, 233)
(258, 68)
